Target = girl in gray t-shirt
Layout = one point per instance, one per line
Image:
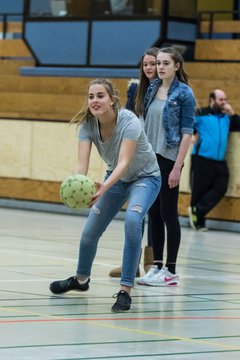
(133, 175)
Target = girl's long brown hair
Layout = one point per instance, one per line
(143, 81)
(85, 114)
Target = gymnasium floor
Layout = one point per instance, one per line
(198, 320)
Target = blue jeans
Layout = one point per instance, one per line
(140, 195)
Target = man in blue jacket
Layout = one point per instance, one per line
(209, 171)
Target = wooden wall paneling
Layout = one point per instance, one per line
(12, 27)
(15, 148)
(26, 189)
(38, 116)
(43, 106)
(43, 85)
(48, 191)
(213, 71)
(32, 106)
(53, 98)
(42, 150)
(219, 212)
(14, 48)
(203, 87)
(233, 156)
(216, 5)
(221, 26)
(217, 49)
(52, 85)
(11, 67)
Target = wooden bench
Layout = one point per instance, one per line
(12, 66)
(217, 50)
(52, 85)
(39, 106)
(220, 26)
(15, 48)
(213, 70)
(46, 98)
(11, 27)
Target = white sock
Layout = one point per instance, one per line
(82, 279)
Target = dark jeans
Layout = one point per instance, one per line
(164, 212)
(209, 181)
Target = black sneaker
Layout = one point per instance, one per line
(197, 222)
(62, 286)
(202, 228)
(193, 219)
(123, 302)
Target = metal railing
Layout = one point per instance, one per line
(210, 16)
(161, 40)
(5, 20)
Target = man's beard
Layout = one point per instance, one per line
(218, 108)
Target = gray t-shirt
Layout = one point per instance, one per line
(128, 127)
(155, 130)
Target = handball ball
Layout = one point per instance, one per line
(76, 191)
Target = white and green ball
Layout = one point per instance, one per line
(76, 191)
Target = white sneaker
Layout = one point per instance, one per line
(149, 275)
(164, 278)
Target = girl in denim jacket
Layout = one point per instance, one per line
(169, 109)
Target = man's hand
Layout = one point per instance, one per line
(227, 108)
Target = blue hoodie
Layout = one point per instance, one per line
(213, 129)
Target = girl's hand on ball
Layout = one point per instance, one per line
(101, 189)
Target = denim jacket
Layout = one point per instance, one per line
(179, 111)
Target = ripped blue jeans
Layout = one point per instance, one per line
(140, 195)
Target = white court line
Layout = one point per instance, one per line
(229, 278)
(60, 258)
(19, 252)
(215, 277)
(11, 252)
(24, 280)
(46, 280)
(105, 278)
